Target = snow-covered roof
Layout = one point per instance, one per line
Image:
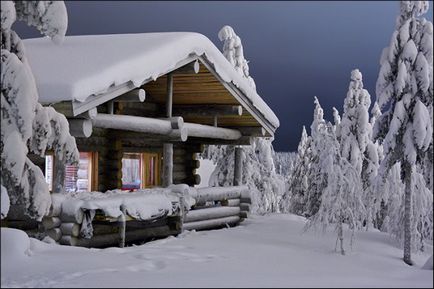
(89, 65)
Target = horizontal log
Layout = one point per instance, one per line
(190, 68)
(104, 229)
(135, 95)
(246, 200)
(212, 224)
(211, 213)
(20, 224)
(139, 124)
(72, 229)
(207, 131)
(207, 110)
(231, 203)
(101, 241)
(245, 207)
(80, 127)
(244, 140)
(244, 214)
(51, 222)
(219, 193)
(54, 234)
(254, 131)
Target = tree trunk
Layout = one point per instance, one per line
(341, 236)
(407, 213)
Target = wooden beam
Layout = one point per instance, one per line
(190, 68)
(244, 140)
(135, 95)
(80, 127)
(255, 131)
(167, 164)
(65, 108)
(208, 110)
(238, 166)
(206, 131)
(169, 95)
(140, 124)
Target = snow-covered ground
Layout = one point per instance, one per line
(265, 251)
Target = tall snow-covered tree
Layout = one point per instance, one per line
(27, 126)
(294, 200)
(233, 51)
(405, 91)
(316, 176)
(259, 174)
(340, 202)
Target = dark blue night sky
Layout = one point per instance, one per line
(296, 49)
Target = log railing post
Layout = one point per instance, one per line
(167, 164)
(238, 166)
(59, 176)
(168, 147)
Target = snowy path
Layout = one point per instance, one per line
(263, 252)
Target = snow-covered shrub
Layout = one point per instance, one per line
(26, 126)
(5, 203)
(405, 91)
(259, 173)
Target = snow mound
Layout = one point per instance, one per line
(429, 264)
(15, 245)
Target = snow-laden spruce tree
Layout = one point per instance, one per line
(405, 91)
(337, 123)
(316, 178)
(340, 202)
(357, 147)
(354, 126)
(259, 174)
(233, 51)
(294, 200)
(26, 126)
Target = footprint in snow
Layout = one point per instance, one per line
(147, 266)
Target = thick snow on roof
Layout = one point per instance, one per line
(89, 64)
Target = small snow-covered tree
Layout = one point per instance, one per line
(405, 90)
(259, 174)
(295, 198)
(316, 178)
(233, 51)
(340, 202)
(26, 126)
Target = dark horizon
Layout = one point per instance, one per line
(297, 50)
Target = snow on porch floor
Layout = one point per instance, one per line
(267, 251)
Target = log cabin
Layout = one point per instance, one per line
(141, 108)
